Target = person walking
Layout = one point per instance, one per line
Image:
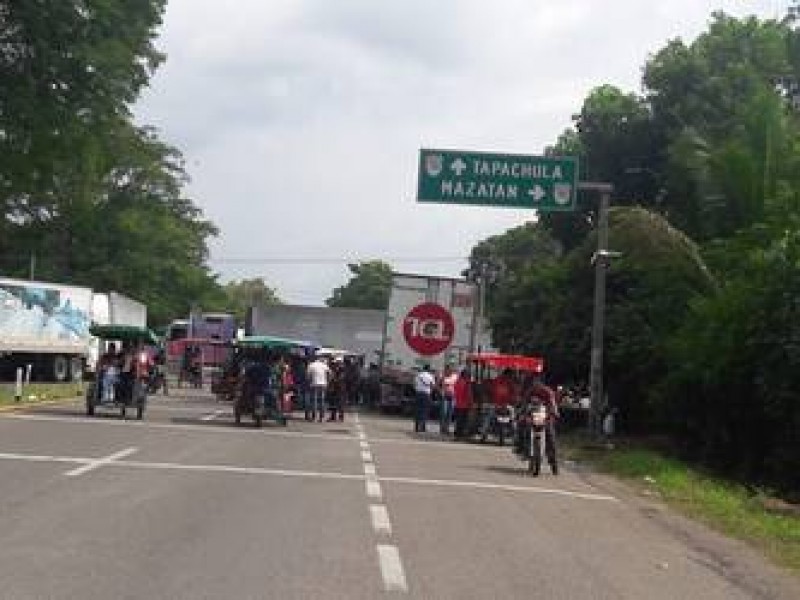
(462, 402)
(424, 383)
(449, 378)
(319, 374)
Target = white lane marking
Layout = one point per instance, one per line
(177, 427)
(362, 435)
(369, 469)
(356, 420)
(394, 578)
(43, 458)
(374, 488)
(380, 519)
(364, 444)
(366, 456)
(168, 466)
(100, 462)
(212, 416)
(482, 485)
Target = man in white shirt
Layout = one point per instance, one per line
(424, 383)
(319, 374)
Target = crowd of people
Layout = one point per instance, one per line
(459, 395)
(322, 386)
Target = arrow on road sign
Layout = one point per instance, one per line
(459, 166)
(537, 193)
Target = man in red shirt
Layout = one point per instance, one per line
(462, 401)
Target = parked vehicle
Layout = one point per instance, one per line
(44, 329)
(501, 425)
(262, 399)
(109, 389)
(429, 321)
(113, 308)
(338, 331)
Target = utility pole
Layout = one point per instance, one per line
(600, 260)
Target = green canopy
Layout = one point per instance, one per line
(125, 333)
(269, 342)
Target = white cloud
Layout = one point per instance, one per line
(301, 120)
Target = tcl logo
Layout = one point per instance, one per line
(428, 329)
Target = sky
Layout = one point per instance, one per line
(301, 120)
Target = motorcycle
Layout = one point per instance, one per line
(499, 424)
(532, 422)
(156, 380)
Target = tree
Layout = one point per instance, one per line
(368, 287)
(249, 292)
(97, 200)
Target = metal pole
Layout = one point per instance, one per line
(598, 320)
(33, 266)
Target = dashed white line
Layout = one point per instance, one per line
(369, 469)
(362, 435)
(394, 578)
(364, 444)
(380, 519)
(96, 464)
(366, 456)
(373, 488)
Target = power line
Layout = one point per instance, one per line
(287, 260)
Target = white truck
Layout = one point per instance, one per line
(113, 308)
(431, 321)
(44, 327)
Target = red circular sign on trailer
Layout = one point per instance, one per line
(429, 329)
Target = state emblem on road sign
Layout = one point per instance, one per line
(434, 163)
(562, 193)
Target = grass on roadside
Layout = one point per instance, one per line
(728, 507)
(38, 392)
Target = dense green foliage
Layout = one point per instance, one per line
(93, 198)
(702, 316)
(368, 287)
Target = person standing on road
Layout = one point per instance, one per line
(424, 383)
(462, 401)
(448, 384)
(337, 390)
(318, 377)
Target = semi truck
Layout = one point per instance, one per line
(44, 329)
(430, 321)
(356, 330)
(113, 308)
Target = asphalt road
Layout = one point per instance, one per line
(185, 505)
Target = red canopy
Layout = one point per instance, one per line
(533, 364)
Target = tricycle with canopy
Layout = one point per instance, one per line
(121, 378)
(264, 361)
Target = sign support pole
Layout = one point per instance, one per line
(598, 316)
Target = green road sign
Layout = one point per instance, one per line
(503, 180)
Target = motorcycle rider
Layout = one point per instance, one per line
(537, 391)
